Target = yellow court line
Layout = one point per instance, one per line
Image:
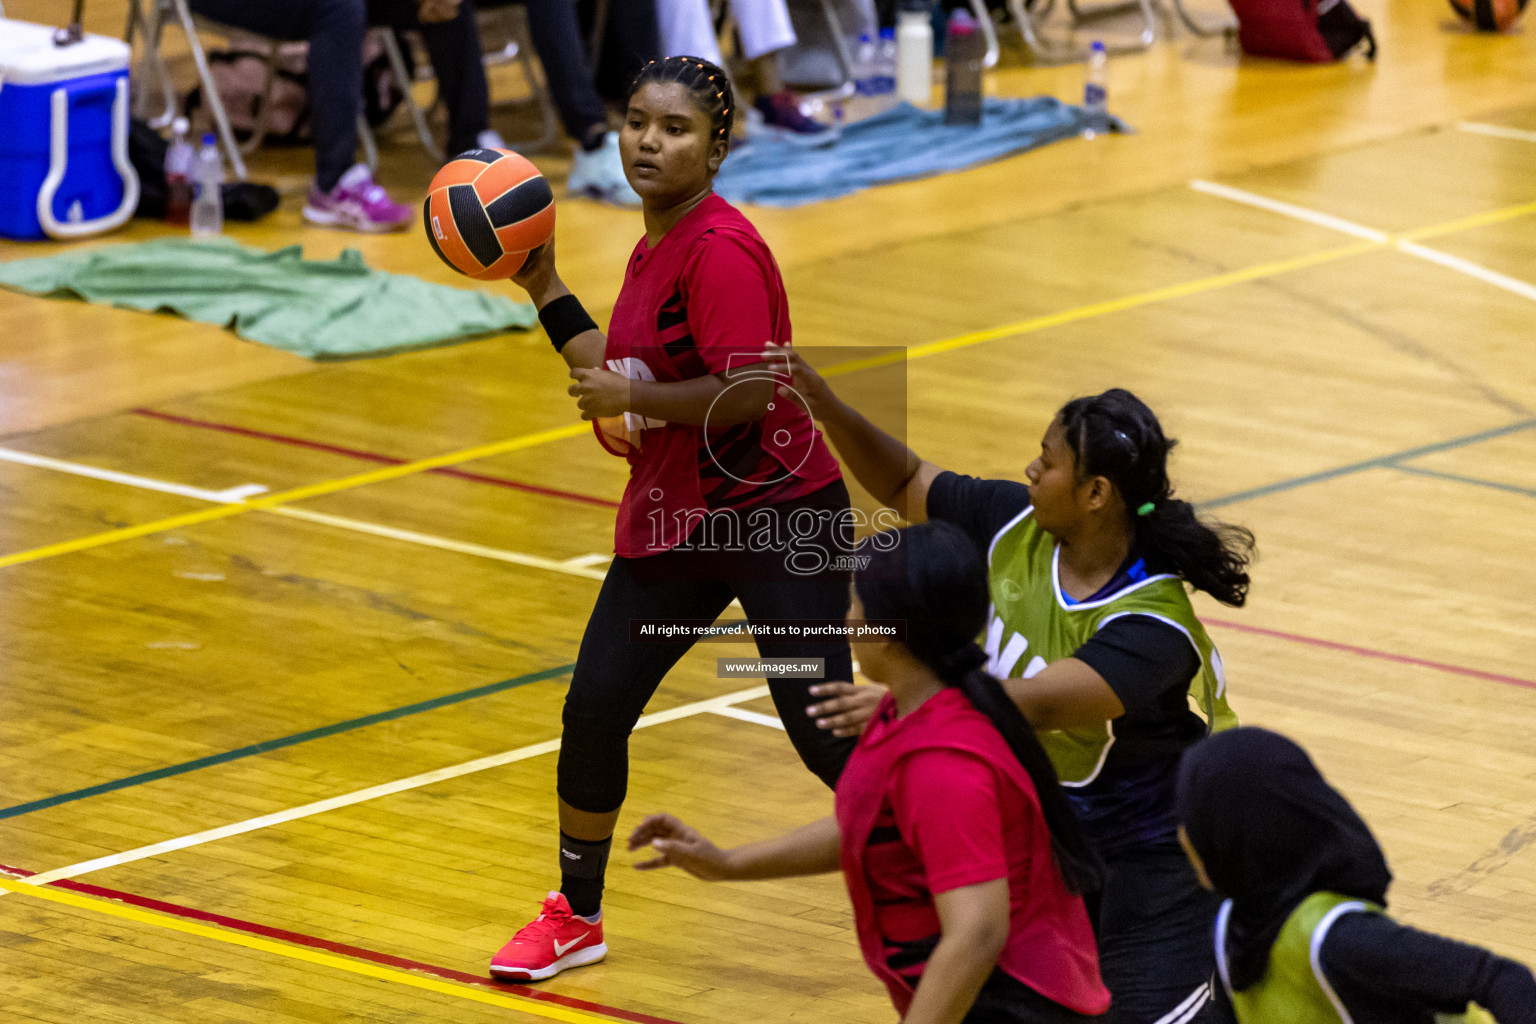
(282, 949)
(1016, 329)
(268, 501)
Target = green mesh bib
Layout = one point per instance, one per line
(1294, 989)
(1031, 626)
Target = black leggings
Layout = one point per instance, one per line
(615, 675)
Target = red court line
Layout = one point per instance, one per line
(1369, 652)
(354, 453)
(356, 952)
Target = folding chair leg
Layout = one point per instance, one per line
(151, 65)
(983, 18)
(1198, 29)
(210, 90)
(397, 65)
(1149, 20)
(370, 145)
(548, 129)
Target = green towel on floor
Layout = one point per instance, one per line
(322, 309)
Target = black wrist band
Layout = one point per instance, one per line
(563, 319)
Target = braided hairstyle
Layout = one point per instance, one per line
(706, 82)
(1115, 435)
(936, 581)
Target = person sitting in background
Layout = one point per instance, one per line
(767, 31)
(344, 194)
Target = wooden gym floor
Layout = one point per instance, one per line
(288, 757)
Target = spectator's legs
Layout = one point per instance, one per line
(686, 30)
(334, 30)
(557, 38)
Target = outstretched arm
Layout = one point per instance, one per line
(883, 465)
(809, 850)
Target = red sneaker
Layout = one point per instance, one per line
(550, 943)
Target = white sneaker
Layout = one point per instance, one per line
(491, 139)
(600, 174)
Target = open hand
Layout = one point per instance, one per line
(679, 845)
(599, 393)
(804, 381)
(847, 708)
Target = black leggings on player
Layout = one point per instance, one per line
(616, 674)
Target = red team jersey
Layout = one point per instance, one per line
(705, 301)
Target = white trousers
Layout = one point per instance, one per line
(686, 27)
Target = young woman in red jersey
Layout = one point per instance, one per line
(732, 493)
(960, 852)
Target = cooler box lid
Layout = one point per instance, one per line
(28, 56)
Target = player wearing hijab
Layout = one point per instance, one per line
(731, 494)
(1302, 937)
(961, 856)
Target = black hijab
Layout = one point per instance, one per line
(1271, 832)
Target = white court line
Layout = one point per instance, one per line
(1497, 131)
(1323, 220)
(374, 792)
(229, 496)
(442, 543)
(1493, 277)
(587, 561)
(1513, 285)
(742, 715)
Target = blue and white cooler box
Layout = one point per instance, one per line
(64, 169)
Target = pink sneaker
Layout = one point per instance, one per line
(356, 204)
(553, 941)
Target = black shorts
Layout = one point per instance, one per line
(1006, 1000)
(1155, 925)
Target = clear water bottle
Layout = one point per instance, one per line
(178, 176)
(864, 65)
(885, 63)
(914, 52)
(1096, 93)
(207, 187)
(964, 51)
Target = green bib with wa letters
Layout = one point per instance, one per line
(1294, 989)
(1031, 625)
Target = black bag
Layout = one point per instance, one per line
(243, 200)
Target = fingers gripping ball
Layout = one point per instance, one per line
(486, 210)
(1489, 15)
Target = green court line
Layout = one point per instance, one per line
(1381, 462)
(1474, 481)
(285, 741)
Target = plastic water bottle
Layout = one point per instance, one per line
(864, 66)
(178, 176)
(1096, 93)
(885, 63)
(914, 52)
(207, 197)
(964, 51)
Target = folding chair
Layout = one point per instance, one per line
(152, 68)
(506, 29)
(1029, 17)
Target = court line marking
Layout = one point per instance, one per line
(315, 490)
(289, 951)
(357, 453)
(375, 792)
(1380, 462)
(1496, 130)
(301, 939)
(755, 717)
(1368, 652)
(266, 746)
(536, 438)
(1474, 481)
(226, 496)
(1402, 243)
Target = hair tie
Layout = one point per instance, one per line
(1146, 509)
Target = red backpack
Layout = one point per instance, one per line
(1309, 30)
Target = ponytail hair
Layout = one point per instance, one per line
(1115, 435)
(941, 593)
(706, 82)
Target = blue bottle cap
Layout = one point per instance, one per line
(208, 139)
(1098, 46)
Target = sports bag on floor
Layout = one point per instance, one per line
(1318, 31)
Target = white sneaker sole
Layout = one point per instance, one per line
(580, 958)
(362, 225)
